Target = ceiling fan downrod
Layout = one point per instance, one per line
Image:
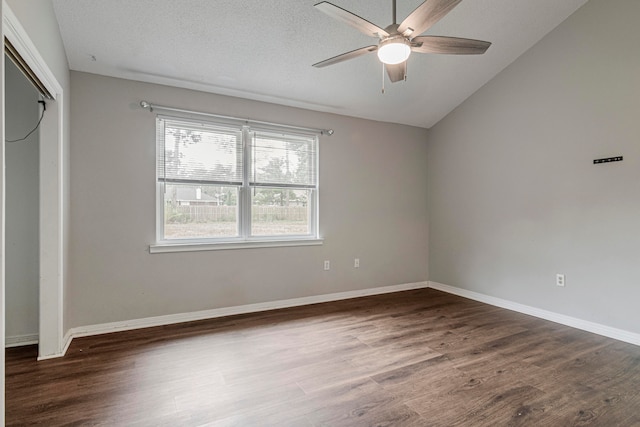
(394, 11)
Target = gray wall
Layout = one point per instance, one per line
(513, 195)
(372, 205)
(21, 173)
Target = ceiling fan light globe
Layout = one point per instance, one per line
(394, 51)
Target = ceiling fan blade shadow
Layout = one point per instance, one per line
(346, 56)
(351, 19)
(449, 45)
(425, 16)
(397, 72)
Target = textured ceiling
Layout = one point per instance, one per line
(264, 50)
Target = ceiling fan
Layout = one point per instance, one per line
(398, 41)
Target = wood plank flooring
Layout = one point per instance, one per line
(415, 358)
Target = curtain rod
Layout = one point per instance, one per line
(145, 104)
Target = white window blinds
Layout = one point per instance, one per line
(283, 160)
(198, 153)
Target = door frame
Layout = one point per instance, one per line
(51, 341)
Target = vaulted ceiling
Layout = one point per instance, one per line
(263, 50)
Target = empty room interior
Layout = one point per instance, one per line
(310, 213)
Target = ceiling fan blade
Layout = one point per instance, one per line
(449, 45)
(346, 56)
(397, 72)
(425, 16)
(349, 18)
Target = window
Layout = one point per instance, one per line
(226, 183)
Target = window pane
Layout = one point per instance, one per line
(283, 159)
(280, 211)
(200, 211)
(199, 152)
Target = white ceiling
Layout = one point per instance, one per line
(263, 50)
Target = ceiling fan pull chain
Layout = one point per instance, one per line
(383, 79)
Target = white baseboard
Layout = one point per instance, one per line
(105, 328)
(585, 325)
(169, 319)
(20, 340)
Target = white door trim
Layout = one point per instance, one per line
(51, 191)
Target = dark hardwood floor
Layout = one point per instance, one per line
(416, 358)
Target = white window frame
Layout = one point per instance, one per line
(244, 238)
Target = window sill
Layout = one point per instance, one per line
(193, 247)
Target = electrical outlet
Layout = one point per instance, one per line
(356, 263)
(327, 265)
(559, 279)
